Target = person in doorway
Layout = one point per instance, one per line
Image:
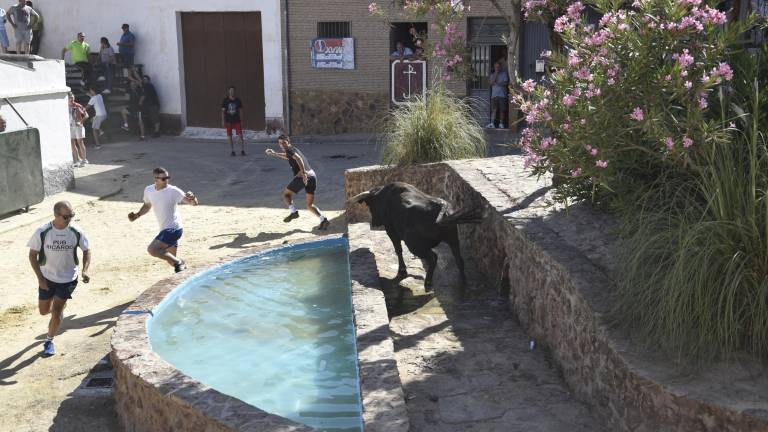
(151, 105)
(134, 108)
(106, 64)
(231, 119)
(77, 116)
(2, 123)
(53, 257)
(401, 52)
(79, 52)
(4, 42)
(499, 81)
(21, 18)
(164, 199)
(97, 102)
(127, 46)
(303, 178)
(37, 30)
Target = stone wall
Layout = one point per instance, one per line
(559, 291)
(151, 395)
(336, 112)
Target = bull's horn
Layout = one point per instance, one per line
(359, 197)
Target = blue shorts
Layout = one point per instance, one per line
(170, 236)
(60, 290)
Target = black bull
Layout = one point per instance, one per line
(421, 220)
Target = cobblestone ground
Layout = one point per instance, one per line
(464, 362)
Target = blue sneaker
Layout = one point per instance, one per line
(48, 348)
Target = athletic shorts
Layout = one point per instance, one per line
(297, 184)
(170, 236)
(127, 59)
(77, 132)
(23, 35)
(236, 126)
(61, 290)
(97, 121)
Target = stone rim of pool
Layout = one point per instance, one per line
(151, 394)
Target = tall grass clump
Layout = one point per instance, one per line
(433, 128)
(693, 271)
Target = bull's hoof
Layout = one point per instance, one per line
(428, 286)
(402, 274)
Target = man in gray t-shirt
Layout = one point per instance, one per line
(20, 17)
(499, 81)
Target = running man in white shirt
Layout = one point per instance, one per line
(164, 197)
(97, 102)
(53, 256)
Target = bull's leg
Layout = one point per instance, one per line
(430, 259)
(452, 238)
(396, 242)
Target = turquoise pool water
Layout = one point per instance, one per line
(274, 330)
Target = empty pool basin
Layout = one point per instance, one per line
(274, 329)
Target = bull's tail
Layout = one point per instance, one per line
(466, 216)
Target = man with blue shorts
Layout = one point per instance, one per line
(53, 256)
(164, 198)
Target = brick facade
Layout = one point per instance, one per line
(341, 101)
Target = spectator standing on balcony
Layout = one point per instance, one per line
(127, 46)
(401, 52)
(97, 102)
(20, 16)
(37, 30)
(106, 62)
(77, 116)
(79, 53)
(151, 104)
(4, 42)
(499, 81)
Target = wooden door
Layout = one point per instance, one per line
(222, 49)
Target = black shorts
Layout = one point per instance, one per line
(61, 290)
(297, 184)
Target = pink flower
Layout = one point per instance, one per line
(529, 86)
(688, 85)
(703, 103)
(576, 172)
(669, 142)
(569, 100)
(668, 78)
(547, 143)
(684, 73)
(373, 8)
(725, 71)
(574, 10)
(602, 163)
(562, 24)
(685, 59)
(583, 74)
(573, 60)
(732, 125)
(610, 81)
(566, 126)
(687, 142)
(637, 114)
(594, 152)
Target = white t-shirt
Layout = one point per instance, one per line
(59, 245)
(164, 203)
(98, 104)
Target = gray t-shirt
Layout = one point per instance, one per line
(500, 90)
(22, 16)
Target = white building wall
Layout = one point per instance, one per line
(158, 35)
(39, 94)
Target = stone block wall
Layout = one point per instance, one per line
(336, 112)
(557, 293)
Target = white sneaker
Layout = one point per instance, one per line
(77, 164)
(101, 78)
(107, 91)
(501, 126)
(490, 126)
(84, 162)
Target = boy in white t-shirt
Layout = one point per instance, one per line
(164, 197)
(53, 256)
(97, 102)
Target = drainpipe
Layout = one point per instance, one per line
(286, 72)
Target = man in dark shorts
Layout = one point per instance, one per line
(231, 119)
(303, 178)
(136, 97)
(151, 104)
(163, 198)
(53, 256)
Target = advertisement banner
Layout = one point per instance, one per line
(333, 53)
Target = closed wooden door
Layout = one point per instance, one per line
(222, 49)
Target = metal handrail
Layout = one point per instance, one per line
(17, 113)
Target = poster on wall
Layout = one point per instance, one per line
(333, 53)
(409, 79)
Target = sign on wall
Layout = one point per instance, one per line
(333, 53)
(409, 79)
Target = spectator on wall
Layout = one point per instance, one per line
(4, 42)
(79, 54)
(401, 52)
(20, 16)
(37, 30)
(151, 105)
(106, 64)
(127, 46)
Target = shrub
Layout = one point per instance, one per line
(434, 128)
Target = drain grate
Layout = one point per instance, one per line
(99, 383)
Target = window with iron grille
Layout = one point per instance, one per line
(333, 29)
